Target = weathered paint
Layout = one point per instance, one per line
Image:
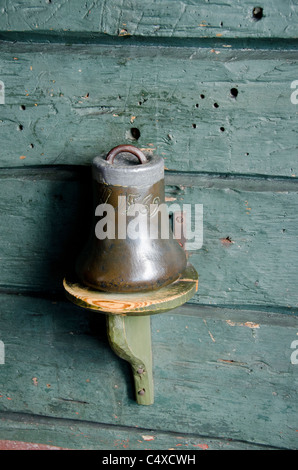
(18, 445)
(93, 436)
(256, 267)
(163, 18)
(75, 102)
(240, 386)
(212, 90)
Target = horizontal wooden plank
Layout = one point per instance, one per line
(65, 105)
(248, 257)
(248, 253)
(22, 445)
(73, 434)
(219, 374)
(170, 18)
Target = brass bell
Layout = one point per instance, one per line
(127, 250)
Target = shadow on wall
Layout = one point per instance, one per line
(68, 221)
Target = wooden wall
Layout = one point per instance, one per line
(207, 86)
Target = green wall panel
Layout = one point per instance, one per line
(64, 105)
(163, 18)
(249, 252)
(212, 90)
(218, 373)
(73, 434)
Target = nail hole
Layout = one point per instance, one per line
(226, 241)
(194, 126)
(202, 97)
(21, 127)
(197, 105)
(135, 133)
(257, 13)
(234, 92)
(23, 107)
(216, 105)
(222, 129)
(32, 146)
(142, 101)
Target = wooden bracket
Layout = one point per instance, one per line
(130, 339)
(128, 322)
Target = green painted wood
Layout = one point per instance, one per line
(187, 18)
(130, 339)
(66, 104)
(73, 434)
(247, 256)
(221, 373)
(249, 250)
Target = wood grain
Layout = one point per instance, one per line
(219, 373)
(67, 104)
(162, 18)
(249, 250)
(96, 436)
(208, 87)
(144, 303)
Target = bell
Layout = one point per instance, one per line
(131, 247)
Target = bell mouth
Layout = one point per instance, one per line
(127, 170)
(135, 266)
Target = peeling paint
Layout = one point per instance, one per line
(248, 324)
(202, 446)
(210, 334)
(148, 438)
(226, 241)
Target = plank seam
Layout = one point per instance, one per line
(237, 181)
(183, 310)
(80, 38)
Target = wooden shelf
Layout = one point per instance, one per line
(128, 321)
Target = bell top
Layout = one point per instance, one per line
(126, 165)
